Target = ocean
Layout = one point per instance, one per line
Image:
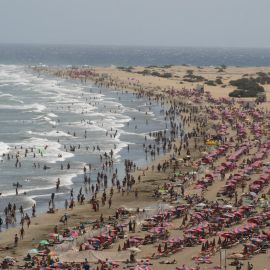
(47, 115)
(128, 56)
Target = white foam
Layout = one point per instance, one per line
(53, 133)
(65, 180)
(38, 107)
(134, 133)
(4, 148)
(38, 117)
(13, 74)
(10, 97)
(114, 121)
(50, 182)
(21, 193)
(6, 95)
(35, 107)
(52, 115)
(66, 97)
(49, 120)
(50, 149)
(17, 100)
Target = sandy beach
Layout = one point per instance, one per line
(184, 166)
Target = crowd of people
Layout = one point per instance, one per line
(205, 147)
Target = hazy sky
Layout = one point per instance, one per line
(214, 23)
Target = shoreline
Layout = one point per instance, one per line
(153, 178)
(38, 229)
(52, 189)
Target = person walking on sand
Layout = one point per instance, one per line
(66, 204)
(21, 233)
(110, 202)
(239, 266)
(1, 223)
(34, 210)
(21, 211)
(16, 239)
(86, 265)
(65, 219)
(136, 193)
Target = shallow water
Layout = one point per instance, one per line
(46, 115)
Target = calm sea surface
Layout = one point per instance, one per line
(127, 56)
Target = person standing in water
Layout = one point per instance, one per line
(58, 184)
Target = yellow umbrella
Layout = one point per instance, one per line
(52, 253)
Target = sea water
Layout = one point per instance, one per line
(44, 112)
(131, 55)
(47, 115)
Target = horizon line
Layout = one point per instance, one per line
(129, 45)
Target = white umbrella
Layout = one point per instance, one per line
(253, 194)
(236, 256)
(201, 205)
(227, 206)
(9, 258)
(134, 249)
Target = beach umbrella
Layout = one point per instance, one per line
(156, 230)
(256, 240)
(33, 251)
(44, 242)
(236, 256)
(53, 253)
(238, 230)
(9, 258)
(70, 238)
(55, 236)
(134, 249)
(201, 205)
(190, 236)
(253, 194)
(250, 245)
(202, 240)
(225, 234)
(250, 226)
(143, 266)
(133, 240)
(57, 265)
(74, 234)
(173, 240)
